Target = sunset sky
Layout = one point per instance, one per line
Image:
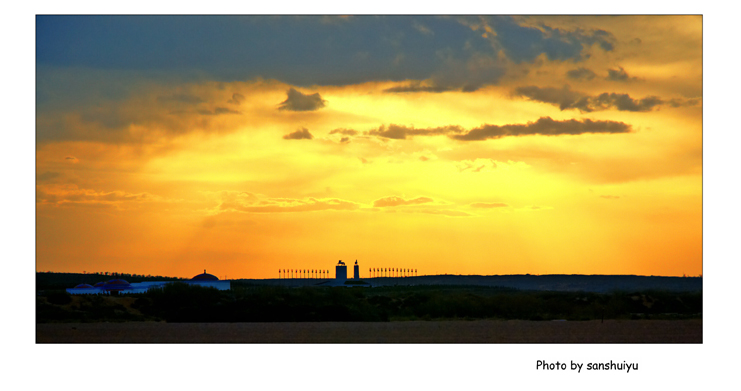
(452, 145)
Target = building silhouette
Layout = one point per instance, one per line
(341, 271)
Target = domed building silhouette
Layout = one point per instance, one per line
(209, 280)
(205, 277)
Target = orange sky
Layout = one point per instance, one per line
(550, 165)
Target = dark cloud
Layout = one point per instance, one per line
(180, 98)
(581, 74)
(467, 74)
(296, 101)
(399, 201)
(544, 126)
(683, 102)
(218, 111)
(236, 99)
(345, 140)
(565, 99)
(302, 133)
(424, 158)
(418, 87)
(401, 132)
(619, 75)
(489, 205)
(525, 43)
(623, 102)
(345, 132)
(306, 50)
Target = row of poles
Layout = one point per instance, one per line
(392, 272)
(303, 273)
(374, 272)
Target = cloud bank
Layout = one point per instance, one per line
(545, 126)
(399, 201)
(567, 99)
(300, 134)
(296, 101)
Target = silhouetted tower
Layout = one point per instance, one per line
(356, 271)
(341, 271)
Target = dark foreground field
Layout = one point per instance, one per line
(477, 331)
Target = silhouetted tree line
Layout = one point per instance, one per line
(244, 303)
